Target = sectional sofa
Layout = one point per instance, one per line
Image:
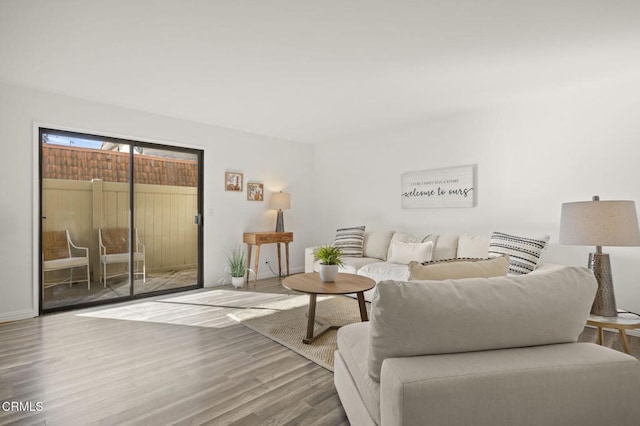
(380, 260)
(484, 352)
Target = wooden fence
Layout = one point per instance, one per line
(163, 216)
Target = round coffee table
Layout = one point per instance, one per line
(311, 284)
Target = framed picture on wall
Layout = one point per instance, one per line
(438, 188)
(233, 181)
(255, 191)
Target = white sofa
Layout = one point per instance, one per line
(484, 351)
(377, 248)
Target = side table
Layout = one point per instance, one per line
(259, 238)
(617, 323)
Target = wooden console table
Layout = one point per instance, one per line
(259, 238)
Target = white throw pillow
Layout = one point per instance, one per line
(473, 246)
(410, 252)
(405, 238)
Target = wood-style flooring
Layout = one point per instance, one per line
(187, 363)
(112, 372)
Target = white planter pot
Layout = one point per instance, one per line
(237, 282)
(328, 273)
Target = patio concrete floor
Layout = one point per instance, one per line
(66, 295)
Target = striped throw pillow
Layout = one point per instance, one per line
(350, 240)
(524, 253)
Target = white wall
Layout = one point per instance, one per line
(532, 157)
(280, 165)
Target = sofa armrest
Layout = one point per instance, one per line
(309, 259)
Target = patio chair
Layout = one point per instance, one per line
(59, 252)
(114, 248)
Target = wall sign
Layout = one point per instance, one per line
(450, 187)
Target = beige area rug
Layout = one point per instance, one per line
(285, 322)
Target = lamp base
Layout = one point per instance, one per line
(280, 221)
(604, 303)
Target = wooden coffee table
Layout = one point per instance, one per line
(312, 285)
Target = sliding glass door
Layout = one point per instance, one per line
(119, 219)
(166, 213)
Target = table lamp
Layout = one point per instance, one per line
(600, 223)
(280, 201)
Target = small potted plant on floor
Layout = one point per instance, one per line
(237, 266)
(330, 258)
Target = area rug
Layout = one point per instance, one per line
(285, 322)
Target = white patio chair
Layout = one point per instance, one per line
(114, 248)
(58, 253)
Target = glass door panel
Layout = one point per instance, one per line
(85, 201)
(166, 218)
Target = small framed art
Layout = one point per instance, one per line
(255, 191)
(233, 181)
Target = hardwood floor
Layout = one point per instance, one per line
(187, 363)
(88, 370)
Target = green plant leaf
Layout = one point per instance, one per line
(329, 255)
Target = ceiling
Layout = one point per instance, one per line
(313, 71)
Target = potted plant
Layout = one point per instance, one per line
(237, 266)
(330, 258)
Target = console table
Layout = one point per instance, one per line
(259, 238)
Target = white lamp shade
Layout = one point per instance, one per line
(600, 223)
(280, 201)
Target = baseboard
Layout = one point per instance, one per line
(262, 275)
(635, 333)
(18, 315)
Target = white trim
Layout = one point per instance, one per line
(632, 332)
(35, 227)
(35, 207)
(18, 315)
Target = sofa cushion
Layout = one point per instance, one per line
(350, 240)
(351, 264)
(566, 384)
(474, 314)
(444, 246)
(473, 246)
(376, 244)
(404, 253)
(383, 271)
(524, 253)
(353, 344)
(459, 268)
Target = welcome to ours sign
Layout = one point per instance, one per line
(450, 187)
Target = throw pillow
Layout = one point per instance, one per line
(524, 253)
(459, 268)
(350, 240)
(405, 238)
(475, 246)
(405, 253)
